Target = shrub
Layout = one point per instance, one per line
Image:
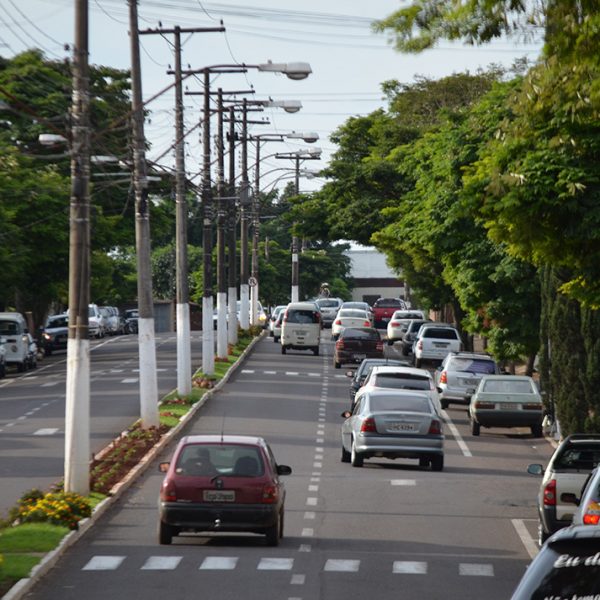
(57, 508)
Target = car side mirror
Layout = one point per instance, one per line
(163, 467)
(569, 498)
(346, 414)
(535, 469)
(284, 470)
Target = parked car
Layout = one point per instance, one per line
(329, 308)
(277, 327)
(384, 308)
(349, 317)
(434, 341)
(408, 339)
(222, 483)
(567, 471)
(32, 352)
(398, 324)
(354, 345)
(13, 328)
(96, 321)
(506, 401)
(459, 374)
(360, 306)
(587, 501)
(131, 320)
(114, 323)
(301, 327)
(260, 313)
(393, 424)
(55, 334)
(567, 566)
(363, 370)
(273, 318)
(2, 357)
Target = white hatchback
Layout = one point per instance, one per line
(434, 341)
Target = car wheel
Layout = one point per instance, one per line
(337, 365)
(423, 461)
(437, 463)
(404, 352)
(418, 363)
(21, 367)
(390, 342)
(273, 533)
(542, 535)
(445, 404)
(283, 350)
(165, 533)
(537, 430)
(355, 458)
(345, 455)
(316, 351)
(475, 427)
(2, 371)
(275, 339)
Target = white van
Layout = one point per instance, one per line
(301, 327)
(13, 328)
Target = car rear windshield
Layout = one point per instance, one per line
(220, 459)
(327, 303)
(363, 334)
(398, 381)
(473, 365)
(388, 303)
(580, 458)
(58, 322)
(508, 387)
(8, 327)
(302, 316)
(383, 403)
(440, 333)
(352, 313)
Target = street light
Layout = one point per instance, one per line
(295, 70)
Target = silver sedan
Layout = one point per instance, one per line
(393, 424)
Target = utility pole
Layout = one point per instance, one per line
(184, 354)
(232, 332)
(146, 339)
(77, 401)
(295, 258)
(221, 216)
(244, 201)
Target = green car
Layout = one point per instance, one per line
(506, 401)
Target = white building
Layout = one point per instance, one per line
(373, 277)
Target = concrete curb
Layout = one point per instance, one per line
(24, 586)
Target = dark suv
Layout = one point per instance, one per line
(459, 374)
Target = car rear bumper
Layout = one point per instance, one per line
(489, 418)
(219, 517)
(344, 357)
(456, 395)
(549, 521)
(410, 447)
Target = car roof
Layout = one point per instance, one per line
(302, 305)
(399, 369)
(249, 440)
(395, 392)
(478, 355)
(574, 532)
(507, 378)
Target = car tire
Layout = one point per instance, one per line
(21, 367)
(337, 365)
(418, 363)
(2, 371)
(345, 458)
(390, 342)
(424, 462)
(404, 352)
(437, 463)
(283, 349)
(445, 404)
(355, 458)
(542, 535)
(273, 533)
(165, 533)
(475, 427)
(316, 351)
(537, 430)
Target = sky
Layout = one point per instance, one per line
(349, 62)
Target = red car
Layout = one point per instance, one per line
(222, 483)
(355, 344)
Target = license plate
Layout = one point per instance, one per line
(219, 495)
(470, 381)
(439, 345)
(301, 332)
(470, 390)
(506, 406)
(400, 427)
(360, 356)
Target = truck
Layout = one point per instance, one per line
(384, 308)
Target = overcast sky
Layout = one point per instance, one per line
(348, 61)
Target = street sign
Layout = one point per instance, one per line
(252, 282)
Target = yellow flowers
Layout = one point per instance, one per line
(58, 508)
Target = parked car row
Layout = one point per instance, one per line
(18, 348)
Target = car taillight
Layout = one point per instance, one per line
(591, 519)
(394, 324)
(339, 344)
(550, 493)
(379, 346)
(367, 324)
(337, 322)
(420, 345)
(368, 425)
(270, 494)
(443, 377)
(532, 406)
(168, 492)
(435, 428)
(484, 405)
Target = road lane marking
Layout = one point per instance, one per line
(298, 579)
(46, 431)
(310, 515)
(161, 563)
(529, 543)
(311, 501)
(403, 482)
(130, 380)
(219, 563)
(456, 434)
(410, 567)
(305, 548)
(50, 384)
(475, 570)
(103, 563)
(338, 565)
(248, 371)
(313, 488)
(275, 564)
(307, 532)
(292, 373)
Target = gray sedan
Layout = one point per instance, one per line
(393, 424)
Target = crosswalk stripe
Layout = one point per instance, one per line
(219, 563)
(410, 567)
(103, 563)
(403, 482)
(49, 384)
(248, 371)
(130, 380)
(161, 563)
(275, 564)
(476, 570)
(45, 431)
(339, 565)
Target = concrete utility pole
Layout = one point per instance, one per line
(244, 202)
(146, 339)
(184, 353)
(77, 402)
(232, 328)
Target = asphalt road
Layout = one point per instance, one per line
(389, 530)
(32, 408)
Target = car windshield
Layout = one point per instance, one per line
(327, 303)
(220, 459)
(472, 365)
(364, 334)
(402, 381)
(58, 322)
(301, 316)
(508, 386)
(440, 333)
(393, 403)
